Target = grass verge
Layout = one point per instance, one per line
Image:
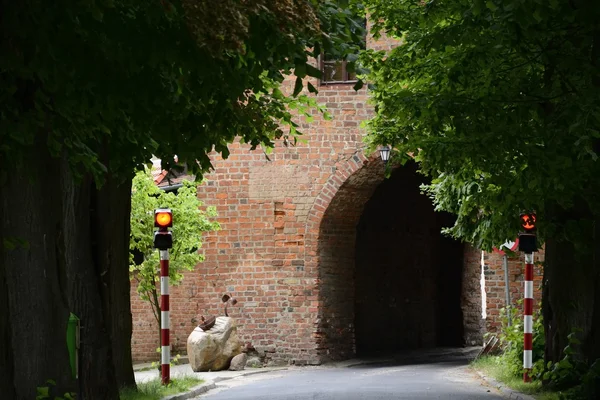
(154, 390)
(494, 367)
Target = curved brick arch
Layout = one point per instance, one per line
(331, 259)
(329, 252)
(359, 162)
(336, 181)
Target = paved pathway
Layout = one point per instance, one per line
(441, 380)
(438, 374)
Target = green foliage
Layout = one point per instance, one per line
(568, 371)
(45, 392)
(511, 340)
(497, 368)
(497, 100)
(573, 373)
(590, 382)
(175, 77)
(189, 224)
(571, 378)
(12, 243)
(154, 390)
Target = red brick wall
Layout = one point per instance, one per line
(265, 253)
(288, 256)
(495, 286)
(286, 248)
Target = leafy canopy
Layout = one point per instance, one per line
(109, 83)
(498, 100)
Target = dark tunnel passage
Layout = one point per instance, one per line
(408, 276)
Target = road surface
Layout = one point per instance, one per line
(442, 378)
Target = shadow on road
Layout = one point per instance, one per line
(447, 356)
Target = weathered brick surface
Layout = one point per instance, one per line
(495, 286)
(290, 259)
(266, 251)
(287, 250)
(471, 297)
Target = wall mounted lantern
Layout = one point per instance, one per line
(385, 154)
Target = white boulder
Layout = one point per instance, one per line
(212, 350)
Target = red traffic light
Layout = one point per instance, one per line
(163, 218)
(528, 222)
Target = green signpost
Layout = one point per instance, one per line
(73, 343)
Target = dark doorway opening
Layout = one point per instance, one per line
(408, 277)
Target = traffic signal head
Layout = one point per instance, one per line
(163, 240)
(528, 243)
(528, 222)
(163, 218)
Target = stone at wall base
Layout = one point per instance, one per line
(212, 350)
(254, 362)
(238, 362)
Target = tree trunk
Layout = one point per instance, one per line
(34, 276)
(97, 369)
(571, 289)
(6, 358)
(74, 257)
(112, 228)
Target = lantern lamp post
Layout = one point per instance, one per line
(385, 154)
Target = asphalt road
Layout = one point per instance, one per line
(416, 379)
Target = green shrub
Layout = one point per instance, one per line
(574, 377)
(566, 372)
(590, 382)
(511, 339)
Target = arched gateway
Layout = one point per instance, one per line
(387, 279)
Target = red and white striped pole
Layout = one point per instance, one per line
(528, 318)
(163, 241)
(165, 325)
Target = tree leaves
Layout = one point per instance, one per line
(136, 82)
(358, 85)
(491, 94)
(298, 86)
(313, 71)
(189, 225)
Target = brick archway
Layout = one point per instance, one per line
(331, 258)
(330, 239)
